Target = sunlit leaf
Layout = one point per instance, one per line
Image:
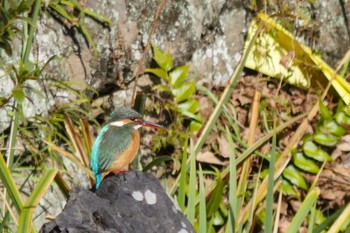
(190, 105)
(18, 94)
(295, 177)
(326, 139)
(342, 118)
(158, 72)
(325, 112)
(178, 75)
(184, 91)
(313, 151)
(289, 189)
(163, 59)
(304, 163)
(334, 128)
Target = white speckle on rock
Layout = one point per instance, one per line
(183, 231)
(183, 224)
(137, 195)
(150, 197)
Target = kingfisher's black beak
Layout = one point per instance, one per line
(151, 125)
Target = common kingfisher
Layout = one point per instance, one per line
(118, 142)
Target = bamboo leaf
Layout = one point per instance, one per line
(25, 219)
(10, 185)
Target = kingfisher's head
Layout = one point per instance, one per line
(124, 116)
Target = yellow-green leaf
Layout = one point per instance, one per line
(158, 72)
(184, 91)
(18, 94)
(163, 59)
(334, 128)
(313, 151)
(190, 105)
(326, 139)
(178, 75)
(295, 177)
(304, 163)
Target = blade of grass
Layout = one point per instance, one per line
(76, 140)
(202, 205)
(269, 195)
(25, 218)
(341, 220)
(191, 207)
(231, 225)
(217, 111)
(278, 211)
(183, 178)
(71, 157)
(282, 161)
(10, 185)
(303, 211)
(251, 149)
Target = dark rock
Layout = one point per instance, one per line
(127, 202)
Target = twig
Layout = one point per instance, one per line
(141, 63)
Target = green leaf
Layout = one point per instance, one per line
(304, 163)
(192, 116)
(25, 219)
(5, 45)
(18, 94)
(2, 101)
(216, 197)
(342, 118)
(195, 126)
(326, 139)
(303, 211)
(334, 128)
(289, 189)
(325, 113)
(162, 88)
(295, 177)
(347, 110)
(178, 75)
(158, 72)
(313, 151)
(164, 60)
(184, 91)
(191, 105)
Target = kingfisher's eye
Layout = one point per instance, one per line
(133, 118)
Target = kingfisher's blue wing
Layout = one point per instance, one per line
(109, 142)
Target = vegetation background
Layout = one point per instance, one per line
(243, 151)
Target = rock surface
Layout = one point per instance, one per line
(127, 202)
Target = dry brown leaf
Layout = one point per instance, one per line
(209, 157)
(224, 147)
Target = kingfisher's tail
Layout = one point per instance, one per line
(98, 177)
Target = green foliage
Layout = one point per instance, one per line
(68, 9)
(182, 102)
(328, 131)
(34, 130)
(10, 11)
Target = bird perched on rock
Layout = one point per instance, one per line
(118, 142)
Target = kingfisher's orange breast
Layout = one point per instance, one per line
(126, 157)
